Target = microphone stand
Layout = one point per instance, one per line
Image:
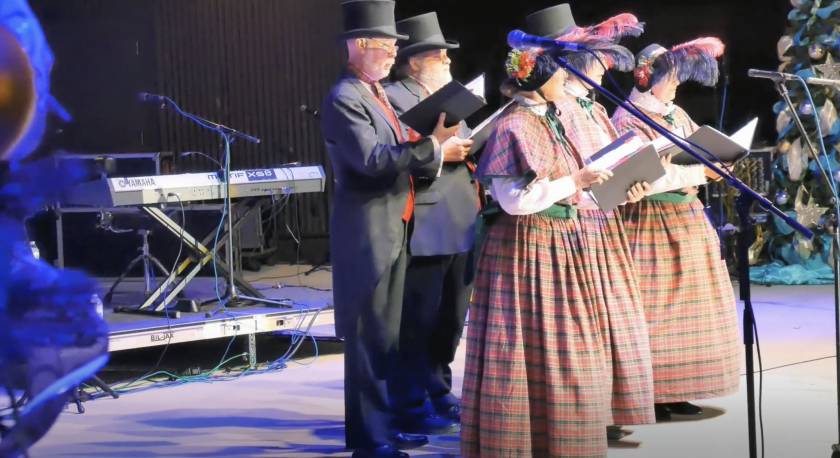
(744, 203)
(835, 240)
(316, 116)
(717, 215)
(229, 135)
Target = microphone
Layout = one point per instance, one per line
(777, 77)
(520, 40)
(314, 113)
(823, 82)
(148, 97)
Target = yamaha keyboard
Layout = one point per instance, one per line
(188, 187)
(150, 192)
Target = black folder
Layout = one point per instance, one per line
(453, 99)
(727, 148)
(643, 165)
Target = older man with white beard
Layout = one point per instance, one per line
(440, 271)
(373, 207)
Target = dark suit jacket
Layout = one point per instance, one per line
(444, 219)
(371, 171)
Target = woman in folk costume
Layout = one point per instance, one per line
(589, 129)
(685, 287)
(536, 381)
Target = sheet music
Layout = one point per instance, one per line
(477, 86)
(661, 143)
(616, 152)
(744, 136)
(481, 126)
(481, 132)
(726, 148)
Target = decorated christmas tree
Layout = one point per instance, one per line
(810, 48)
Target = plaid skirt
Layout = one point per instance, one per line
(688, 300)
(627, 346)
(536, 377)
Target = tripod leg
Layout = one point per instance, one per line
(159, 265)
(110, 294)
(77, 398)
(148, 275)
(98, 382)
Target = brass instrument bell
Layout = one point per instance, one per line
(17, 92)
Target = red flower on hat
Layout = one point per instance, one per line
(643, 73)
(520, 63)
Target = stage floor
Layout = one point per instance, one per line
(309, 298)
(298, 412)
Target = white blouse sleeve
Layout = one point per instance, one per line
(516, 198)
(678, 177)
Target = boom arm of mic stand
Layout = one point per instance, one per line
(233, 132)
(732, 180)
(783, 92)
(207, 124)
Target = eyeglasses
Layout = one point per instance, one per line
(389, 48)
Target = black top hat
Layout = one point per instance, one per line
(551, 22)
(424, 35)
(369, 19)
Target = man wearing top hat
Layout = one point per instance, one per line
(373, 160)
(439, 278)
(551, 22)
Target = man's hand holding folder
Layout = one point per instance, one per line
(453, 148)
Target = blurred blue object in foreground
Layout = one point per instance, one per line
(51, 337)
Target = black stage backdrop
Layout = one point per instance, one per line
(250, 64)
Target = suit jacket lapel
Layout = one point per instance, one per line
(373, 105)
(413, 88)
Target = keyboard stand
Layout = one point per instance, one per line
(166, 292)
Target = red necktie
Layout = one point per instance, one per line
(472, 168)
(385, 104)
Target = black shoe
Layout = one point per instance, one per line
(448, 406)
(684, 408)
(426, 424)
(383, 451)
(403, 441)
(662, 412)
(616, 433)
(453, 413)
